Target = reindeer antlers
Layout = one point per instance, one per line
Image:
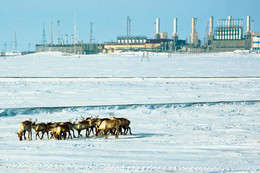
(82, 117)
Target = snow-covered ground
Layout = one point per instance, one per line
(130, 65)
(194, 131)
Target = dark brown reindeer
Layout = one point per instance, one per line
(61, 132)
(40, 127)
(123, 125)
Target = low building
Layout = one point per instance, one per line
(155, 45)
(70, 48)
(256, 44)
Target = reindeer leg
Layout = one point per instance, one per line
(130, 130)
(70, 135)
(87, 133)
(23, 135)
(30, 138)
(36, 135)
(105, 133)
(42, 135)
(47, 134)
(117, 134)
(79, 133)
(73, 133)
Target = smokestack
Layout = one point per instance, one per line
(194, 38)
(211, 24)
(248, 27)
(193, 20)
(229, 21)
(175, 26)
(157, 31)
(210, 34)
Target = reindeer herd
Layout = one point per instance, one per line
(63, 130)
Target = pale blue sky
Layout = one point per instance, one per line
(109, 17)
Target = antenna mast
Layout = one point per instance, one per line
(51, 35)
(44, 40)
(58, 21)
(76, 35)
(128, 28)
(90, 37)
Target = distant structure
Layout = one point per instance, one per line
(90, 35)
(210, 33)
(76, 34)
(15, 41)
(51, 35)
(194, 36)
(175, 34)
(229, 35)
(256, 44)
(58, 37)
(44, 40)
(128, 28)
(157, 28)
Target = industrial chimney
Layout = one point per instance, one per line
(194, 36)
(157, 28)
(248, 26)
(210, 34)
(175, 34)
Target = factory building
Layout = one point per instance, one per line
(228, 35)
(126, 43)
(256, 44)
(138, 43)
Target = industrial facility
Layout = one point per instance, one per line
(227, 36)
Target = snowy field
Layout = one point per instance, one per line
(188, 112)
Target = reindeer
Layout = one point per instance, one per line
(109, 125)
(25, 126)
(92, 124)
(40, 127)
(52, 128)
(82, 125)
(97, 122)
(70, 124)
(61, 131)
(123, 125)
